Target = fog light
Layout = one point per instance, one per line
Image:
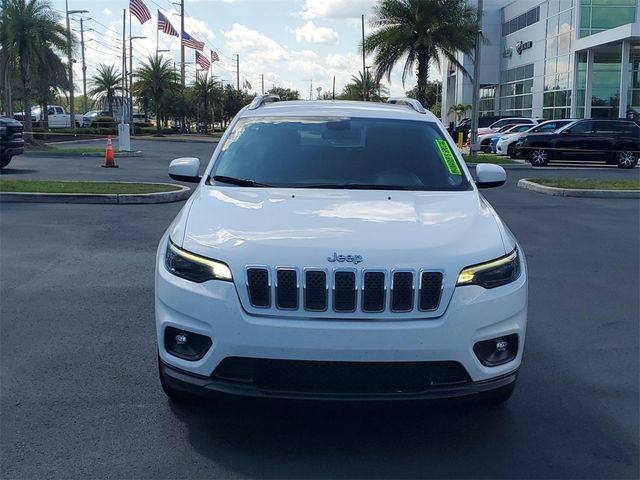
(186, 345)
(497, 350)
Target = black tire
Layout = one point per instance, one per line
(510, 150)
(174, 394)
(538, 157)
(6, 160)
(626, 158)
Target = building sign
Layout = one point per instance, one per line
(507, 52)
(523, 46)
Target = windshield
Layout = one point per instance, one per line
(341, 152)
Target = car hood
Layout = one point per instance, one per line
(303, 227)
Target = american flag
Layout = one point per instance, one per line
(189, 41)
(165, 25)
(140, 10)
(214, 57)
(202, 61)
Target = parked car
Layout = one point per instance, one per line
(506, 144)
(498, 135)
(325, 253)
(485, 140)
(139, 118)
(11, 141)
(90, 117)
(611, 141)
(57, 117)
(494, 127)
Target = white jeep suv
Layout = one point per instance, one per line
(339, 250)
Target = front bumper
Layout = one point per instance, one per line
(199, 385)
(214, 309)
(12, 148)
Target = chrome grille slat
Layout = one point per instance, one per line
(344, 290)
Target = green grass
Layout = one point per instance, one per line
(487, 158)
(588, 183)
(74, 150)
(53, 186)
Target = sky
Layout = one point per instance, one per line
(291, 42)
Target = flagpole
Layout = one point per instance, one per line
(157, 34)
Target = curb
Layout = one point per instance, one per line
(101, 198)
(137, 153)
(576, 192)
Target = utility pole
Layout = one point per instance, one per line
(181, 44)
(364, 70)
(84, 68)
(131, 39)
(311, 90)
(334, 87)
(124, 59)
(262, 80)
(475, 115)
(72, 109)
(237, 71)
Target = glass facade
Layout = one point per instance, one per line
(559, 61)
(487, 100)
(605, 82)
(520, 22)
(634, 81)
(599, 15)
(516, 86)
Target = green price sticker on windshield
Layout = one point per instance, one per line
(447, 156)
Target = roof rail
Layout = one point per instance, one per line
(262, 99)
(409, 102)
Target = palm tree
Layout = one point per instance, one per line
(106, 82)
(420, 31)
(372, 87)
(208, 95)
(28, 30)
(155, 79)
(459, 109)
(50, 76)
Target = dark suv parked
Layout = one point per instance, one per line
(612, 141)
(11, 141)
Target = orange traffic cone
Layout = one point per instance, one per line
(109, 160)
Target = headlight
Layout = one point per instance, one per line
(492, 274)
(194, 267)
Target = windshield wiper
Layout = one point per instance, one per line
(356, 186)
(243, 182)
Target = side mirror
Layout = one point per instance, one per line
(566, 132)
(185, 169)
(489, 175)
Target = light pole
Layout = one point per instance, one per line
(131, 39)
(475, 114)
(70, 60)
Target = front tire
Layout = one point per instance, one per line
(6, 160)
(538, 157)
(173, 393)
(626, 159)
(510, 150)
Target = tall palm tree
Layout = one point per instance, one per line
(106, 82)
(208, 95)
(156, 79)
(459, 109)
(29, 29)
(419, 31)
(50, 76)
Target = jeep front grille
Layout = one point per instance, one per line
(344, 291)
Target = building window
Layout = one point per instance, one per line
(559, 61)
(516, 86)
(487, 100)
(521, 21)
(600, 15)
(605, 81)
(634, 82)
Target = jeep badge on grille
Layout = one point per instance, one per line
(355, 259)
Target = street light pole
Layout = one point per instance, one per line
(364, 69)
(72, 109)
(475, 116)
(84, 68)
(131, 39)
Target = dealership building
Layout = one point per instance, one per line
(553, 59)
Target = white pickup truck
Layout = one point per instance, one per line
(57, 117)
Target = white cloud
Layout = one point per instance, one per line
(336, 8)
(311, 34)
(107, 12)
(343, 61)
(254, 44)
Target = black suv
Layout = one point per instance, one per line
(11, 141)
(612, 141)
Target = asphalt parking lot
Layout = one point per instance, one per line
(79, 394)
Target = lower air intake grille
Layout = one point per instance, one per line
(341, 377)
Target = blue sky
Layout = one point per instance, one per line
(291, 42)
